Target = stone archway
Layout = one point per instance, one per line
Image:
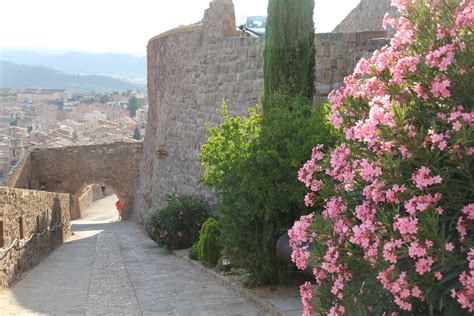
(121, 194)
(71, 169)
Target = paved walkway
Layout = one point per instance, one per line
(112, 268)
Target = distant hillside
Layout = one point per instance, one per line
(80, 63)
(30, 77)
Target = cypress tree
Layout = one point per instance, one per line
(289, 54)
(136, 134)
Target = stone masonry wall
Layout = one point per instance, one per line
(191, 69)
(92, 193)
(338, 53)
(72, 169)
(21, 175)
(367, 16)
(35, 211)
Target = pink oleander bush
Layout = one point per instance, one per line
(395, 236)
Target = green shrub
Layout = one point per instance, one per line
(177, 225)
(193, 252)
(151, 222)
(252, 166)
(209, 242)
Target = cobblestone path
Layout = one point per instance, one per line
(112, 268)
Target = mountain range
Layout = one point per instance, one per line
(33, 77)
(115, 65)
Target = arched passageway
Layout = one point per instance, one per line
(99, 203)
(72, 169)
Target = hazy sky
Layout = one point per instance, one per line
(123, 26)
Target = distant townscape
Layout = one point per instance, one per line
(32, 119)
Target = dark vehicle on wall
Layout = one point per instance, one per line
(254, 26)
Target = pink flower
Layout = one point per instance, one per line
(300, 256)
(299, 233)
(438, 275)
(306, 292)
(389, 250)
(309, 199)
(406, 225)
(469, 211)
(422, 179)
(421, 203)
(319, 275)
(420, 91)
(333, 207)
(442, 57)
(337, 310)
(457, 125)
(439, 87)
(368, 171)
(416, 251)
(437, 140)
(462, 229)
(411, 131)
(423, 265)
(465, 296)
(416, 292)
(392, 194)
(449, 247)
(401, 5)
(405, 152)
(362, 67)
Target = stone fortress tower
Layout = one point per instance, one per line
(192, 68)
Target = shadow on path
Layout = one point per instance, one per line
(111, 267)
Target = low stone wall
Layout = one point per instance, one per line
(32, 224)
(91, 194)
(21, 176)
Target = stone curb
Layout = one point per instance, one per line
(240, 290)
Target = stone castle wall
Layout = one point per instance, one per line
(367, 16)
(72, 169)
(21, 176)
(34, 212)
(90, 195)
(191, 69)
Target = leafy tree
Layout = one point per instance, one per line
(104, 99)
(252, 163)
(132, 105)
(289, 54)
(136, 134)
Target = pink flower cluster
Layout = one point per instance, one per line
(306, 174)
(306, 292)
(399, 287)
(399, 108)
(300, 235)
(422, 178)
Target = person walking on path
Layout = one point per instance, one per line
(119, 209)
